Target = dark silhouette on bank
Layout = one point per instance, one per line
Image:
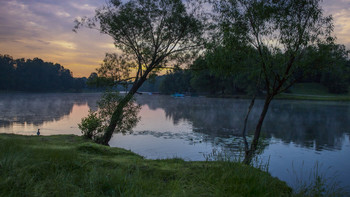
(35, 75)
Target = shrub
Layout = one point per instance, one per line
(96, 122)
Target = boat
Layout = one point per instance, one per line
(177, 95)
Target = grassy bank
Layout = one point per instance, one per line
(292, 96)
(312, 97)
(72, 166)
(300, 91)
(313, 91)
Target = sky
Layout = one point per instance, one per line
(43, 28)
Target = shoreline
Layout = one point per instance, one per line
(66, 163)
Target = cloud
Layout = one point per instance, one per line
(43, 28)
(62, 14)
(340, 10)
(64, 44)
(85, 6)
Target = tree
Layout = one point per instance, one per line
(95, 123)
(7, 72)
(227, 68)
(334, 60)
(336, 76)
(176, 81)
(280, 31)
(36, 75)
(151, 34)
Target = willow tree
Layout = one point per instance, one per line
(280, 31)
(151, 34)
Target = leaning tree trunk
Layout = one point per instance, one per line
(249, 153)
(246, 146)
(117, 115)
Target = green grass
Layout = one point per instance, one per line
(312, 97)
(309, 89)
(312, 91)
(72, 166)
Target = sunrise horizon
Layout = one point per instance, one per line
(41, 29)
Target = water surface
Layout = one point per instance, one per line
(297, 134)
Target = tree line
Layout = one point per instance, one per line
(35, 75)
(202, 76)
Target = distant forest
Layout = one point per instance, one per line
(200, 79)
(35, 75)
(211, 74)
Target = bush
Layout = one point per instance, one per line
(336, 82)
(96, 122)
(89, 125)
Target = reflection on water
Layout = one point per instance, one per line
(308, 124)
(52, 113)
(297, 133)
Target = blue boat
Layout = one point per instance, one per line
(177, 95)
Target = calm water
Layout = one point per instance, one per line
(297, 134)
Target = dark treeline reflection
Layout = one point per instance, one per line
(37, 109)
(308, 124)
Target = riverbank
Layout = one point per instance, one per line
(300, 91)
(313, 92)
(73, 166)
(288, 96)
(291, 96)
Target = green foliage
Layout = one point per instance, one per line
(96, 82)
(336, 82)
(279, 31)
(91, 125)
(73, 166)
(96, 122)
(149, 33)
(226, 70)
(318, 185)
(36, 75)
(176, 81)
(115, 70)
(337, 75)
(331, 65)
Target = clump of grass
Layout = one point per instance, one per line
(317, 184)
(74, 166)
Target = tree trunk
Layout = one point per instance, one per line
(117, 115)
(249, 153)
(246, 146)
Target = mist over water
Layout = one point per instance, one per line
(297, 134)
(51, 113)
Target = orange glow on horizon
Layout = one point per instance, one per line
(43, 29)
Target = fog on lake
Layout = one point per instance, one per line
(297, 134)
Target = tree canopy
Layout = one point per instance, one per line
(281, 32)
(150, 35)
(36, 75)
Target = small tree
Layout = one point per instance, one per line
(280, 31)
(150, 34)
(96, 122)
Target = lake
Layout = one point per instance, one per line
(298, 136)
